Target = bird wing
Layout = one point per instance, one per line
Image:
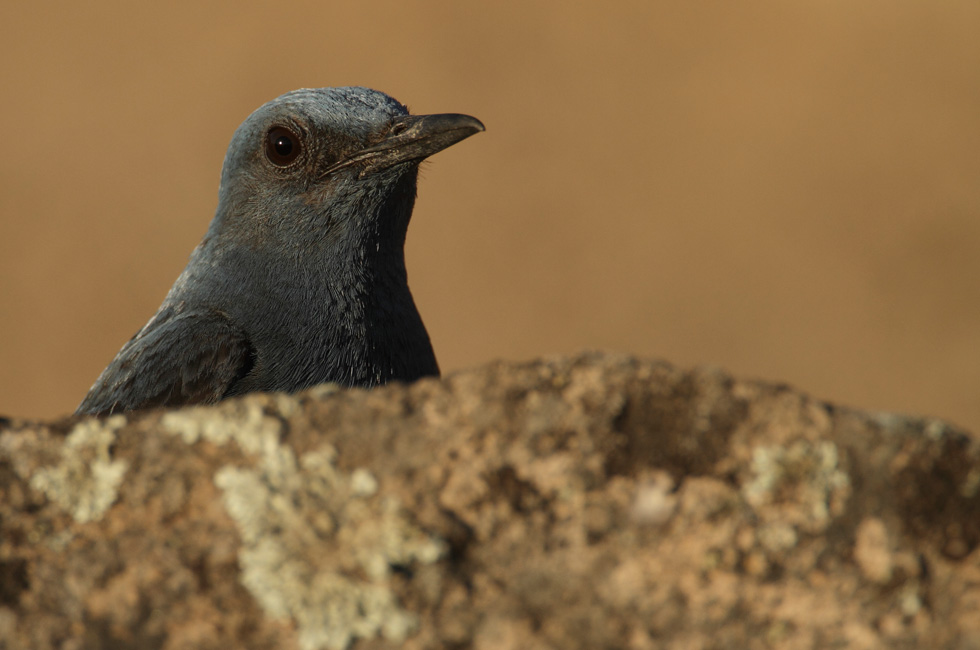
(192, 358)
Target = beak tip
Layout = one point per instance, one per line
(465, 123)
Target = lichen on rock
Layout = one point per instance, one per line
(598, 501)
(86, 479)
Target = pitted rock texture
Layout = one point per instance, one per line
(593, 502)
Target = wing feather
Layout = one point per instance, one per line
(194, 357)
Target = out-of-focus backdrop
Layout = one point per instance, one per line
(788, 190)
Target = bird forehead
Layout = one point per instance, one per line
(352, 110)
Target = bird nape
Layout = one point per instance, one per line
(300, 278)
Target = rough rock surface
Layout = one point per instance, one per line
(593, 502)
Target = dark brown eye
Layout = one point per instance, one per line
(282, 146)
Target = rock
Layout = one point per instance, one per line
(593, 502)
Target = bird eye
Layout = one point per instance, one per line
(282, 146)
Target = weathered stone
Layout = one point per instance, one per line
(594, 502)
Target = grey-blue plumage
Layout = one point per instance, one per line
(301, 276)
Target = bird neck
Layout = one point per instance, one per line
(328, 292)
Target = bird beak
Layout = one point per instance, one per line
(412, 137)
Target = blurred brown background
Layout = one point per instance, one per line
(789, 190)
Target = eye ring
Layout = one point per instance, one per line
(282, 146)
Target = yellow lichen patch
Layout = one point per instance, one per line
(86, 480)
(318, 544)
(803, 484)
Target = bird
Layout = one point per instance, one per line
(300, 278)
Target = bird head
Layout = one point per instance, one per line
(329, 172)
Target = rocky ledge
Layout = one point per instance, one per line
(591, 502)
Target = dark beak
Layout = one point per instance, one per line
(412, 137)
